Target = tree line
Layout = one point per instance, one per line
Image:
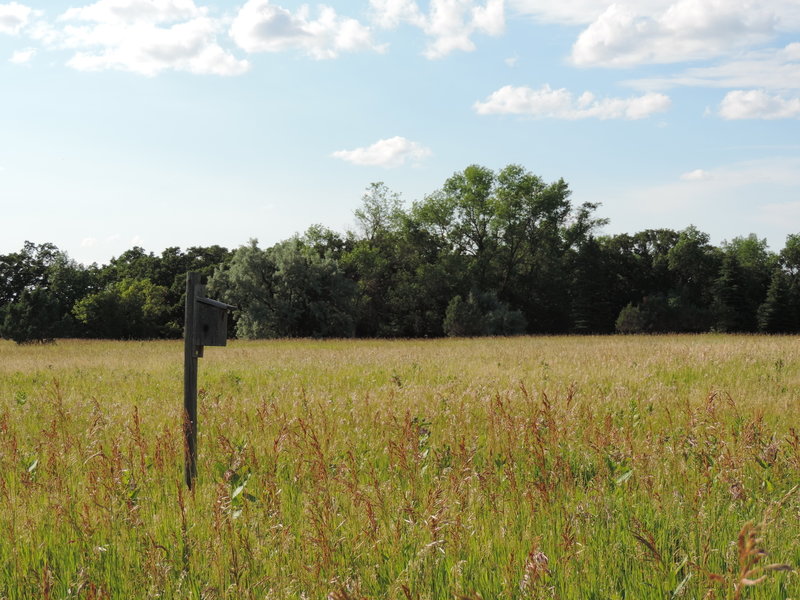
(489, 253)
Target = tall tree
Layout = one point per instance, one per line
(126, 309)
(26, 269)
(729, 305)
(694, 263)
(380, 213)
(38, 287)
(591, 308)
(755, 264)
(287, 290)
(779, 313)
(33, 317)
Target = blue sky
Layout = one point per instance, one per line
(195, 122)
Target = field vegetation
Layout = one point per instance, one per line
(542, 467)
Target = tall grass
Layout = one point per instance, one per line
(626, 467)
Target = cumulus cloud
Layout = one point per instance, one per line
(145, 37)
(449, 23)
(264, 27)
(626, 35)
(391, 152)
(21, 57)
(584, 12)
(546, 102)
(13, 17)
(758, 104)
(135, 11)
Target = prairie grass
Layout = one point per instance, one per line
(557, 467)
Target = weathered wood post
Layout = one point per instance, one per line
(206, 324)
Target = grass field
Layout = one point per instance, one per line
(559, 467)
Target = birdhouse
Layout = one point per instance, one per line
(211, 325)
(206, 324)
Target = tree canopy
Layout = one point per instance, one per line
(488, 253)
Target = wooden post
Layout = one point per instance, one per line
(190, 355)
(206, 324)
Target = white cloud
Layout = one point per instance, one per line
(450, 23)
(264, 27)
(575, 12)
(44, 33)
(141, 36)
(714, 185)
(778, 170)
(389, 14)
(757, 104)
(88, 242)
(771, 68)
(561, 104)
(626, 35)
(135, 11)
(391, 152)
(490, 17)
(13, 17)
(739, 190)
(696, 175)
(21, 57)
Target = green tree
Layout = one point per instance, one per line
(26, 270)
(287, 290)
(514, 235)
(789, 259)
(755, 265)
(778, 313)
(729, 305)
(405, 274)
(126, 309)
(463, 318)
(135, 263)
(591, 308)
(481, 314)
(327, 242)
(694, 264)
(33, 317)
(38, 287)
(381, 211)
(171, 268)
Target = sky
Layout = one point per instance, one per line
(163, 123)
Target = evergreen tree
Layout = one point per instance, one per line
(591, 309)
(778, 314)
(729, 306)
(463, 318)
